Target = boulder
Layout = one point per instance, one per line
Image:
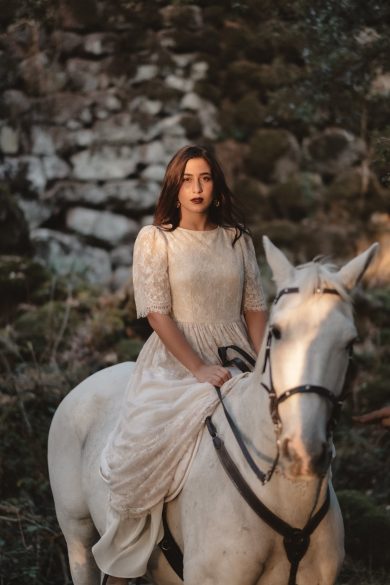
(154, 173)
(99, 44)
(110, 228)
(104, 163)
(84, 74)
(274, 155)
(182, 84)
(145, 73)
(68, 256)
(331, 151)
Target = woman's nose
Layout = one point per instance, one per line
(197, 187)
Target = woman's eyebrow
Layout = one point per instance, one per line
(191, 175)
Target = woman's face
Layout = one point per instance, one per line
(196, 191)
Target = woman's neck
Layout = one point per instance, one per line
(196, 225)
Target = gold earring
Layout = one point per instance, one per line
(178, 204)
(217, 203)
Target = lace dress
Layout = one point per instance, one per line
(205, 284)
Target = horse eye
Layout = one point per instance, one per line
(276, 332)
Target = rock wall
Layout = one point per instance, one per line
(96, 101)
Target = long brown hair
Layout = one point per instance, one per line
(226, 214)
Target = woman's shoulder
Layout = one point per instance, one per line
(150, 237)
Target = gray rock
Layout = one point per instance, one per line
(35, 212)
(132, 195)
(65, 42)
(171, 125)
(68, 256)
(380, 85)
(109, 227)
(104, 163)
(73, 192)
(100, 43)
(84, 74)
(191, 101)
(183, 60)
(199, 70)
(42, 76)
(150, 107)
(154, 173)
(9, 140)
(332, 150)
(42, 141)
(55, 168)
(172, 145)
(118, 129)
(16, 102)
(153, 153)
(28, 168)
(60, 108)
(121, 277)
(180, 83)
(122, 255)
(145, 73)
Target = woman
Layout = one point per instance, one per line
(197, 281)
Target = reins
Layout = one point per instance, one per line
(296, 541)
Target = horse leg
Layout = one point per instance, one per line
(80, 535)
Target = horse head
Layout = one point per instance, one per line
(310, 338)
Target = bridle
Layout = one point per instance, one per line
(275, 401)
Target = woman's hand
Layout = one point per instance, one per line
(381, 416)
(215, 375)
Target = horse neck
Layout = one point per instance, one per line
(291, 500)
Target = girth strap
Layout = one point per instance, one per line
(170, 548)
(296, 540)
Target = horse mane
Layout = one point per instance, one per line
(318, 275)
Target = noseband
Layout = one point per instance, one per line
(336, 401)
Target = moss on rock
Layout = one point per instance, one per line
(267, 148)
(298, 197)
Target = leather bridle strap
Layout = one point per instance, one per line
(263, 477)
(295, 540)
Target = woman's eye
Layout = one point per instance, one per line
(206, 179)
(186, 179)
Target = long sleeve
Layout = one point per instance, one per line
(253, 294)
(150, 272)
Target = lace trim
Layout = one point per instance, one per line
(144, 311)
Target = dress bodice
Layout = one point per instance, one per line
(196, 276)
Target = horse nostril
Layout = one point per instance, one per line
(323, 458)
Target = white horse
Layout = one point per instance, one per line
(223, 541)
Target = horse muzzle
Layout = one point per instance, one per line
(299, 461)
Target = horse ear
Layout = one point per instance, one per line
(281, 267)
(350, 274)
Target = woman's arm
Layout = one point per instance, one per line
(256, 322)
(177, 344)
